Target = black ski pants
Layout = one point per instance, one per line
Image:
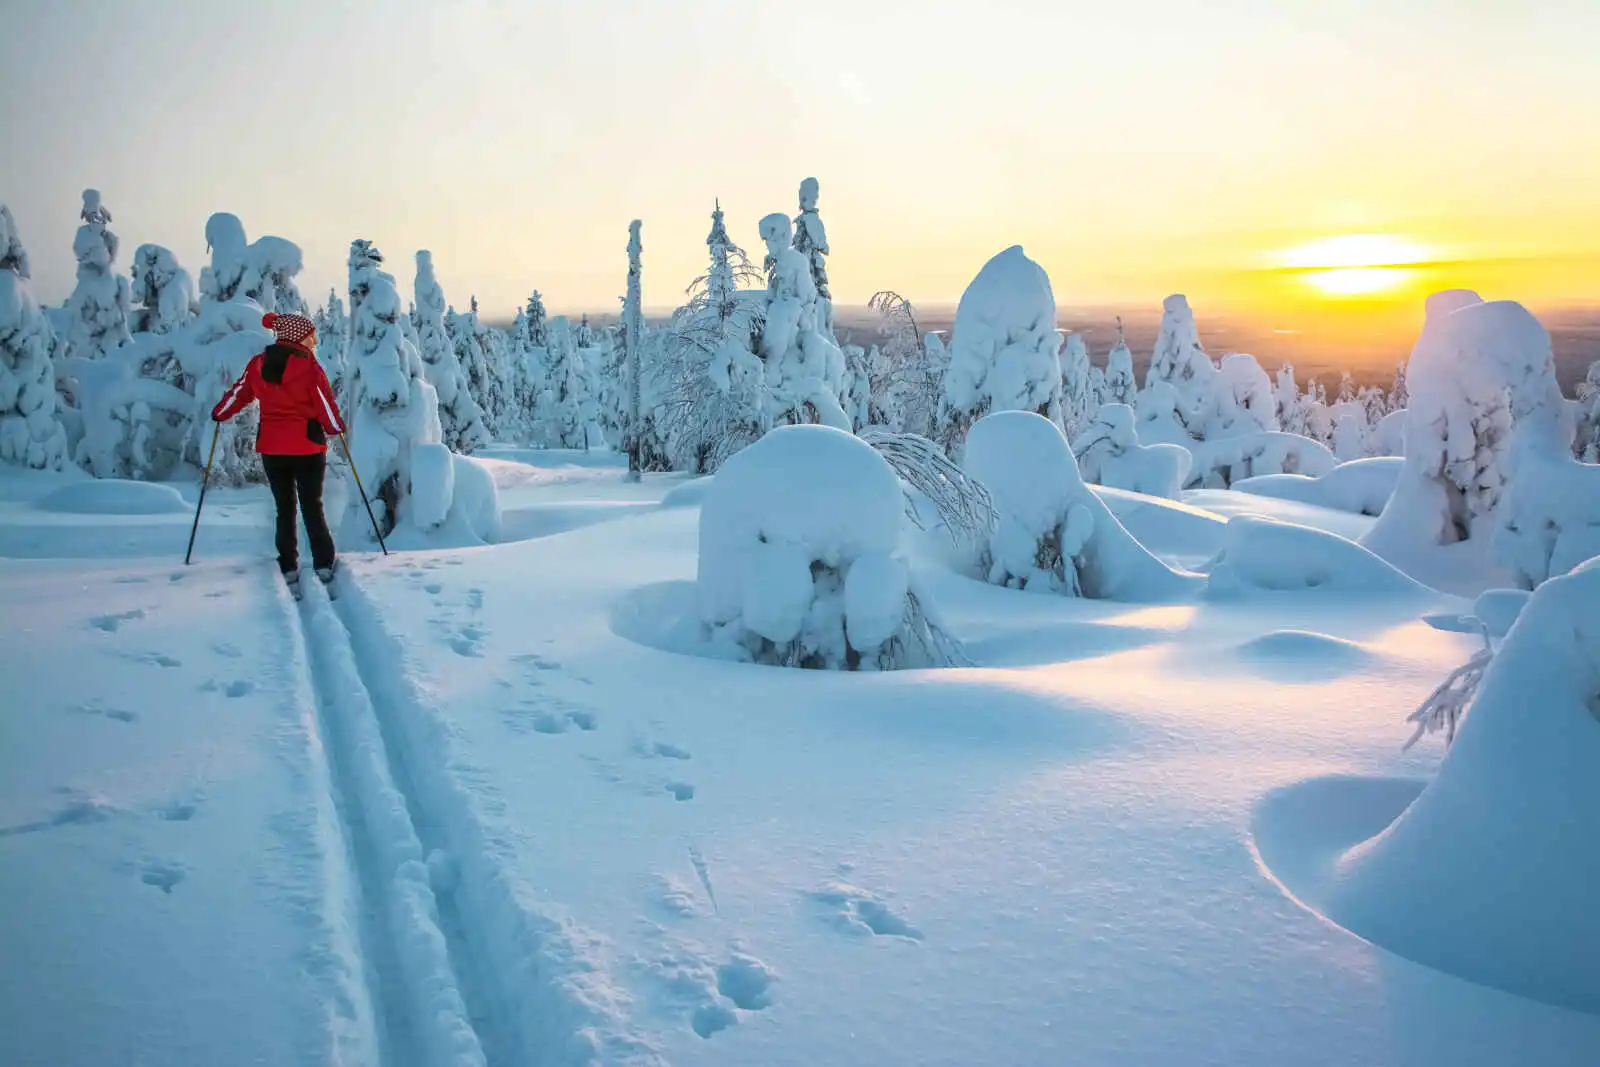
(292, 477)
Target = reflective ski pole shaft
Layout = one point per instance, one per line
(205, 479)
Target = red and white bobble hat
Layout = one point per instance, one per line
(289, 329)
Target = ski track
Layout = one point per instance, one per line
(470, 970)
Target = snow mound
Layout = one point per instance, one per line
(690, 494)
(112, 496)
(1266, 554)
(1301, 656)
(799, 559)
(1219, 463)
(1361, 486)
(1490, 873)
(1053, 534)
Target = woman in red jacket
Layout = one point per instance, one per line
(298, 413)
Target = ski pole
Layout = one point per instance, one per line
(204, 480)
(362, 490)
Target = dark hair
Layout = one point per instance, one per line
(275, 359)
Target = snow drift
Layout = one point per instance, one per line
(1490, 873)
(1266, 554)
(1362, 486)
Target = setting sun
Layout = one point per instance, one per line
(1357, 264)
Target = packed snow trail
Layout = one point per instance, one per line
(484, 977)
(424, 1013)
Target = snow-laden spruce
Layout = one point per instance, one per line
(710, 399)
(333, 335)
(1586, 445)
(799, 561)
(811, 241)
(460, 418)
(466, 335)
(31, 432)
(1490, 874)
(164, 292)
(1484, 406)
(1180, 361)
(571, 392)
(803, 363)
(1109, 453)
(262, 270)
(1054, 534)
(1078, 403)
(395, 437)
(1004, 355)
(1120, 387)
(97, 310)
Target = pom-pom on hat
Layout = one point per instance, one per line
(289, 329)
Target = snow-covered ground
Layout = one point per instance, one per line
(484, 809)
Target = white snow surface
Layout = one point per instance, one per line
(477, 810)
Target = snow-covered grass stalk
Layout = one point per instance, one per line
(1443, 708)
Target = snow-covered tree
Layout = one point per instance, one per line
(97, 310)
(811, 241)
(262, 271)
(333, 329)
(803, 363)
(709, 398)
(1586, 444)
(466, 338)
(904, 382)
(164, 291)
(572, 391)
(364, 261)
(1004, 355)
(1485, 404)
(1109, 453)
(1120, 385)
(1349, 433)
(1399, 395)
(1288, 405)
(1077, 396)
(394, 411)
(1244, 403)
(537, 323)
(460, 418)
(1181, 362)
(31, 432)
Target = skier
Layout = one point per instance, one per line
(298, 413)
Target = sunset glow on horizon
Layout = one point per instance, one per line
(516, 143)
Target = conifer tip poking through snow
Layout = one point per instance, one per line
(804, 365)
(799, 560)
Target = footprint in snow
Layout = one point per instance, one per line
(475, 599)
(111, 623)
(164, 876)
(858, 911)
(115, 714)
(152, 659)
(178, 811)
(433, 588)
(681, 790)
(238, 688)
(81, 811)
(226, 649)
(660, 750)
(537, 662)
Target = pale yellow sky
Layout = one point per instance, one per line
(1134, 149)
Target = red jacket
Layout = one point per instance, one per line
(298, 411)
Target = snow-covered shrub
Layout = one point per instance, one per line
(31, 433)
(905, 373)
(1053, 534)
(460, 418)
(1220, 462)
(803, 364)
(1349, 432)
(1362, 486)
(1485, 404)
(1265, 554)
(963, 505)
(164, 291)
(1490, 873)
(97, 310)
(393, 412)
(799, 559)
(1109, 453)
(1157, 417)
(1005, 352)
